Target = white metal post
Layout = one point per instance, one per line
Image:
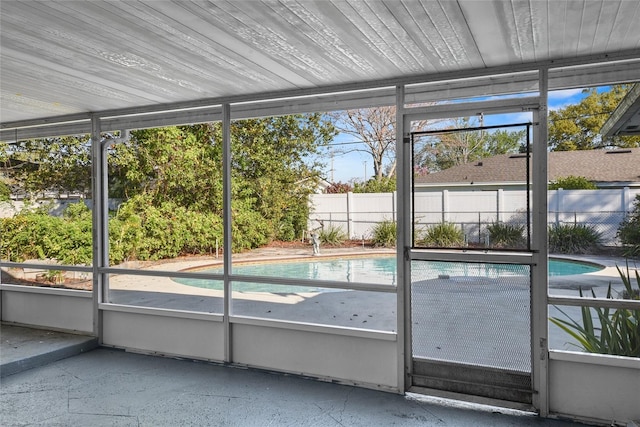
(226, 220)
(403, 231)
(104, 211)
(539, 277)
(98, 225)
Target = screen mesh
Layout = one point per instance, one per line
(471, 313)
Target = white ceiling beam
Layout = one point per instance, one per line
(438, 89)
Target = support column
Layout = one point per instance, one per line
(539, 275)
(403, 208)
(226, 220)
(100, 253)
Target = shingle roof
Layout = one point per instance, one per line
(600, 166)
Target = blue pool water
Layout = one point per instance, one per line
(377, 270)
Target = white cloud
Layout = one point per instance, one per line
(560, 99)
(564, 94)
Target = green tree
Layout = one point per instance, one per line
(456, 146)
(61, 164)
(383, 185)
(577, 126)
(5, 191)
(276, 165)
(572, 183)
(177, 164)
(629, 231)
(171, 182)
(274, 168)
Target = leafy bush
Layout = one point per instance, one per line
(382, 185)
(38, 235)
(506, 235)
(338, 188)
(618, 332)
(385, 234)
(572, 183)
(332, 236)
(629, 231)
(138, 231)
(142, 231)
(445, 234)
(573, 239)
(5, 191)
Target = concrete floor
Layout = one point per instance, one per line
(114, 388)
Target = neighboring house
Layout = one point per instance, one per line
(606, 168)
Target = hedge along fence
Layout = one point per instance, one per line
(358, 213)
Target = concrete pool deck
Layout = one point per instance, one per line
(373, 310)
(504, 305)
(279, 254)
(559, 285)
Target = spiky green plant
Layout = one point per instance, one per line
(445, 234)
(385, 234)
(332, 236)
(614, 332)
(503, 235)
(573, 239)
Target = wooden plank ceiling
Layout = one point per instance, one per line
(68, 57)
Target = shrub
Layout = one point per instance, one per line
(503, 235)
(374, 185)
(629, 231)
(142, 231)
(36, 234)
(572, 183)
(5, 191)
(138, 231)
(573, 239)
(385, 234)
(338, 188)
(618, 332)
(332, 236)
(445, 234)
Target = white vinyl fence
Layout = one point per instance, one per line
(358, 213)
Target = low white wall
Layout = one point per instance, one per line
(164, 332)
(594, 387)
(59, 309)
(363, 358)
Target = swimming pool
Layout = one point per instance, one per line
(376, 270)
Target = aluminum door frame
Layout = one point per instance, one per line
(536, 258)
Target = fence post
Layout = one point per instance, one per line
(349, 216)
(445, 205)
(626, 202)
(559, 196)
(393, 206)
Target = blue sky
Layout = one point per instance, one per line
(359, 166)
